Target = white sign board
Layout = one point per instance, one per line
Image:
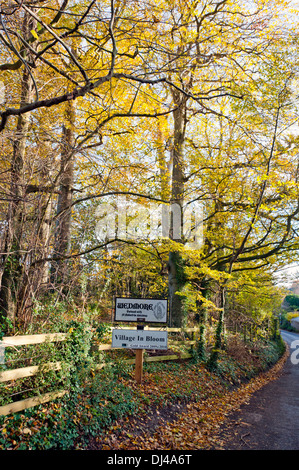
(139, 339)
(146, 310)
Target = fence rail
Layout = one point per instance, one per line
(23, 372)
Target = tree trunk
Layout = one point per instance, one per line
(35, 278)
(175, 266)
(63, 226)
(213, 359)
(202, 318)
(163, 165)
(12, 265)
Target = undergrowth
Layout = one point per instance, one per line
(96, 399)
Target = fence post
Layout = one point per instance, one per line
(2, 353)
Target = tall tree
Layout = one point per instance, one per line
(13, 258)
(64, 204)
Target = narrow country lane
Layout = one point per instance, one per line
(270, 420)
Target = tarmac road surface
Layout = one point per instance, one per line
(270, 421)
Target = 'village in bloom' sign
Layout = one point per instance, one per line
(139, 339)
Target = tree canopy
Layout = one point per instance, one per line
(147, 149)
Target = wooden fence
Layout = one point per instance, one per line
(23, 372)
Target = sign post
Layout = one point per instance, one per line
(140, 310)
(139, 365)
(139, 360)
